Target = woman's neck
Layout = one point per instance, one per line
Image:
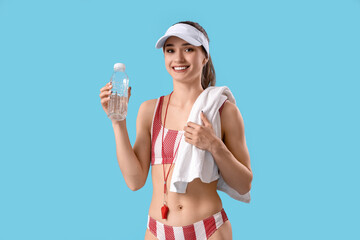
(185, 95)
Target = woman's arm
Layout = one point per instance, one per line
(230, 154)
(134, 162)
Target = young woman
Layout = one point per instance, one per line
(162, 124)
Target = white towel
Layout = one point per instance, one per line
(193, 162)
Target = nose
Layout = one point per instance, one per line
(179, 56)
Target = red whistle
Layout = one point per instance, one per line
(164, 211)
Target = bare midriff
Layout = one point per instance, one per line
(200, 201)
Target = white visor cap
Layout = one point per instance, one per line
(187, 33)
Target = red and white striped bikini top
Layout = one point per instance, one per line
(171, 137)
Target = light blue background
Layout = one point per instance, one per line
(293, 67)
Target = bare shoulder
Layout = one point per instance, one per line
(146, 112)
(231, 118)
(148, 107)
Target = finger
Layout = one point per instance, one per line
(104, 100)
(105, 93)
(204, 118)
(106, 87)
(203, 121)
(106, 90)
(190, 141)
(192, 125)
(188, 129)
(187, 135)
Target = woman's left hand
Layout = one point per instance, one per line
(201, 136)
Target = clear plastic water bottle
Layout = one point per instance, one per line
(117, 109)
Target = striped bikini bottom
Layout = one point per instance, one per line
(200, 230)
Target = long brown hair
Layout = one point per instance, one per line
(208, 77)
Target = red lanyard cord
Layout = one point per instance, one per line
(162, 147)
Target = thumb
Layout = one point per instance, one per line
(129, 92)
(204, 119)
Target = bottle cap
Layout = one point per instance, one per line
(119, 67)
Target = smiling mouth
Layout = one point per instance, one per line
(180, 69)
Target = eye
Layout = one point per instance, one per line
(169, 50)
(189, 50)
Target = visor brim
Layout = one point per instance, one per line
(160, 43)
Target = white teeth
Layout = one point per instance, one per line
(180, 68)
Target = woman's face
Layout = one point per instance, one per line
(183, 61)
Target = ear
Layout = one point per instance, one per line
(205, 61)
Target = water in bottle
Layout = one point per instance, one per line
(118, 103)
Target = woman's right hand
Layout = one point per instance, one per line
(105, 93)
